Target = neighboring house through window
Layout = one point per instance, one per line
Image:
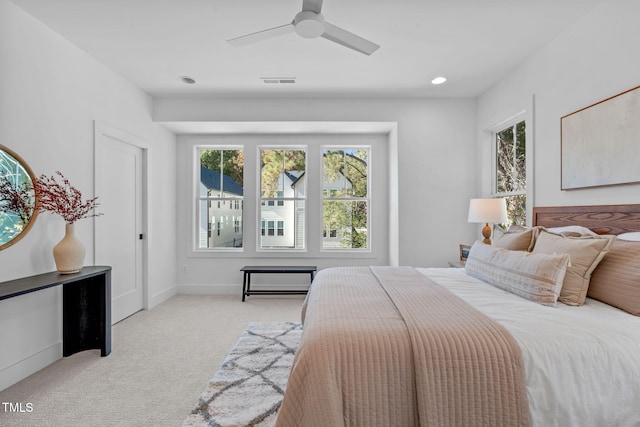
(283, 196)
(220, 198)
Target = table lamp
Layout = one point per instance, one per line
(492, 210)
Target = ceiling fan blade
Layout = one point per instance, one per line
(350, 40)
(313, 5)
(262, 35)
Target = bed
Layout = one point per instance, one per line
(497, 343)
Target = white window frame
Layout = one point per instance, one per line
(490, 185)
(367, 199)
(275, 201)
(218, 225)
(382, 243)
(494, 154)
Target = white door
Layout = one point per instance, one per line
(118, 239)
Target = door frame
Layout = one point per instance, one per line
(102, 130)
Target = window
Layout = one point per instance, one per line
(282, 197)
(510, 179)
(221, 181)
(289, 196)
(345, 198)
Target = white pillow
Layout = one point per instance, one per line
(632, 237)
(536, 277)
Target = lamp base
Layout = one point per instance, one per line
(486, 232)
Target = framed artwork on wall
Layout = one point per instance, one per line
(600, 144)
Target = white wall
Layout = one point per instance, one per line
(50, 95)
(590, 61)
(436, 165)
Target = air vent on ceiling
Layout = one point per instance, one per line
(278, 80)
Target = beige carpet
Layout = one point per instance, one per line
(161, 361)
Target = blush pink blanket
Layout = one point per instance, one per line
(386, 346)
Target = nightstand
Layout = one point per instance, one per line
(456, 264)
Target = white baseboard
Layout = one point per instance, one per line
(162, 296)
(210, 289)
(29, 365)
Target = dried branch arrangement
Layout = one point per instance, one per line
(58, 196)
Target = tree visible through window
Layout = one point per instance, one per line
(346, 198)
(510, 173)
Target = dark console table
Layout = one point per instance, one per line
(262, 269)
(86, 305)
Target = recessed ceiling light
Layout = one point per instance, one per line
(187, 80)
(438, 80)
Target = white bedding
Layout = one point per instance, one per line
(582, 363)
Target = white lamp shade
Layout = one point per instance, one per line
(492, 210)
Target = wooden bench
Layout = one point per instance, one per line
(271, 269)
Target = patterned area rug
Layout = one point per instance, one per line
(248, 388)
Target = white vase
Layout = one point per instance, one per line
(69, 252)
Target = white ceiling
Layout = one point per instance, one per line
(154, 42)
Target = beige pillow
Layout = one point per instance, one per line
(616, 281)
(517, 238)
(536, 277)
(573, 231)
(585, 253)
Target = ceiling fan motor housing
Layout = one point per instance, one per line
(309, 24)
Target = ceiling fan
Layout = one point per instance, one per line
(310, 23)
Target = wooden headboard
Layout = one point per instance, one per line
(605, 219)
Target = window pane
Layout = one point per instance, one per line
(220, 205)
(284, 226)
(345, 225)
(356, 165)
(221, 171)
(511, 173)
(345, 173)
(517, 209)
(272, 170)
(333, 179)
(504, 160)
(279, 169)
(282, 179)
(220, 227)
(510, 159)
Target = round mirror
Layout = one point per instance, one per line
(18, 201)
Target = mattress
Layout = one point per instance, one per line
(582, 364)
